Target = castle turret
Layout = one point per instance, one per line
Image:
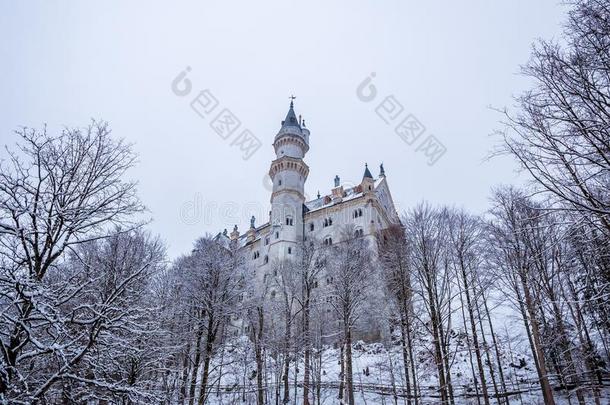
(288, 173)
(367, 180)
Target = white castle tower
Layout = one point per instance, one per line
(288, 173)
(364, 208)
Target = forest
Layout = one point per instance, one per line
(445, 307)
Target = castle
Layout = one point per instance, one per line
(367, 207)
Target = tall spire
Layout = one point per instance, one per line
(367, 172)
(291, 117)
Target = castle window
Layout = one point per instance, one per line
(266, 260)
(266, 240)
(289, 250)
(279, 182)
(311, 227)
(256, 255)
(328, 241)
(289, 221)
(359, 232)
(328, 222)
(358, 213)
(272, 295)
(277, 235)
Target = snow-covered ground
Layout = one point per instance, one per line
(377, 374)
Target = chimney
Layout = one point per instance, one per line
(337, 192)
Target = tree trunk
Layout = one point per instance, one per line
(342, 373)
(258, 354)
(196, 362)
(496, 350)
(349, 376)
(585, 339)
(185, 372)
(545, 386)
(286, 372)
(438, 352)
(209, 346)
(405, 351)
(412, 360)
(472, 368)
(307, 354)
(475, 339)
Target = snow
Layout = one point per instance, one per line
(374, 369)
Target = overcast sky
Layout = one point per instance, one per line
(445, 62)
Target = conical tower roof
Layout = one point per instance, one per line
(291, 118)
(367, 172)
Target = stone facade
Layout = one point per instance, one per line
(367, 207)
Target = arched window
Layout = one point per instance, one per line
(289, 221)
(289, 250)
(328, 241)
(359, 232)
(266, 260)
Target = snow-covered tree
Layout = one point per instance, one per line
(56, 193)
(350, 263)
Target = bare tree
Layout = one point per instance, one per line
(309, 265)
(109, 309)
(561, 133)
(464, 244)
(55, 193)
(349, 264)
(255, 310)
(425, 229)
(286, 280)
(513, 218)
(213, 278)
(395, 265)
